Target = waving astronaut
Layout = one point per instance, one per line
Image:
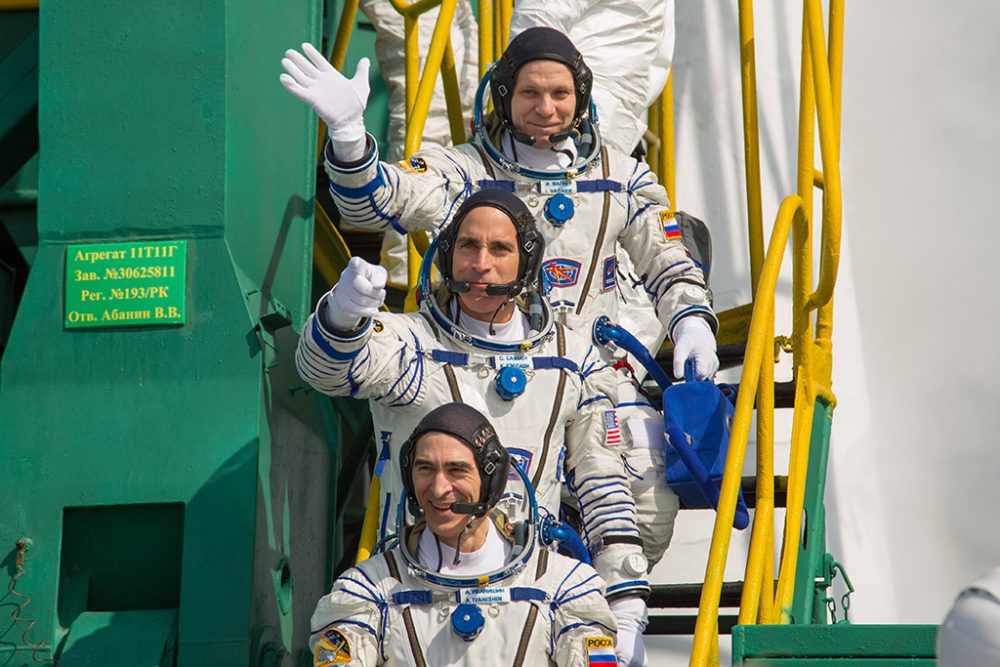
(465, 584)
(488, 338)
(542, 143)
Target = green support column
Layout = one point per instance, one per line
(172, 483)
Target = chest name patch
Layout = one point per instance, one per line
(562, 272)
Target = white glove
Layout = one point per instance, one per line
(358, 294)
(339, 101)
(631, 614)
(693, 339)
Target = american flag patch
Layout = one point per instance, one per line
(613, 433)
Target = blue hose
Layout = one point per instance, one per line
(567, 537)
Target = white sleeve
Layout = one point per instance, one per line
(651, 237)
(382, 361)
(420, 193)
(582, 621)
(346, 626)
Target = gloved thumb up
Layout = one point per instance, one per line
(358, 295)
(693, 339)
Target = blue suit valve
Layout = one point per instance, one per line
(558, 209)
(467, 621)
(510, 382)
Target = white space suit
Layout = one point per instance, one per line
(380, 613)
(407, 364)
(617, 201)
(970, 634)
(614, 200)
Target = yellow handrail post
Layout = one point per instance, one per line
(340, 42)
(654, 147)
(791, 212)
(506, 12)
(485, 36)
(667, 154)
(453, 101)
(751, 141)
(369, 528)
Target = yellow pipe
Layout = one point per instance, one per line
(824, 317)
(485, 36)
(369, 528)
(767, 578)
(801, 287)
(452, 97)
(498, 43)
(343, 38)
(506, 12)
(760, 549)
(17, 5)
(798, 465)
(432, 65)
(751, 141)
(411, 72)
(830, 154)
(667, 155)
(792, 212)
(654, 147)
(416, 9)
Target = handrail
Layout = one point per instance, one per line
(792, 211)
(661, 155)
(812, 361)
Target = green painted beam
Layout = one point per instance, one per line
(18, 105)
(807, 603)
(841, 662)
(168, 122)
(841, 641)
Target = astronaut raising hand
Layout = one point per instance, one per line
(488, 338)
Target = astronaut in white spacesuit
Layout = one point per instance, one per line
(629, 47)
(970, 633)
(488, 338)
(465, 584)
(541, 143)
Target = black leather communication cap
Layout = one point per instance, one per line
(538, 43)
(471, 427)
(530, 242)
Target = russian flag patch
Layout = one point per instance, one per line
(670, 228)
(600, 652)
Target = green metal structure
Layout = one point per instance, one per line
(166, 492)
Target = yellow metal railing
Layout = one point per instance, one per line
(762, 600)
(493, 34)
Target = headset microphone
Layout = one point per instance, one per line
(478, 509)
(506, 289)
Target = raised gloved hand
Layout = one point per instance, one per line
(339, 101)
(693, 339)
(358, 294)
(631, 614)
